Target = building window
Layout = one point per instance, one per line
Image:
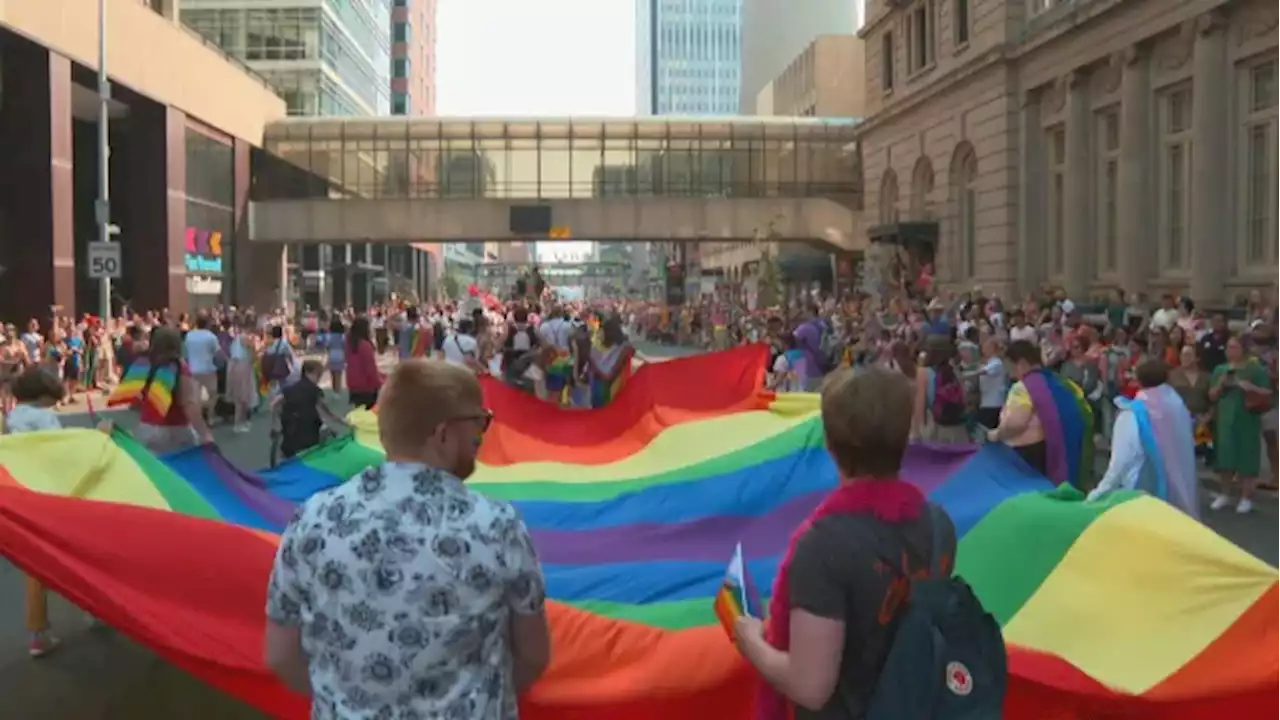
(889, 198)
(399, 103)
(1057, 144)
(1038, 6)
(1108, 190)
(400, 32)
(282, 34)
(1261, 196)
(920, 39)
(886, 63)
(960, 21)
(964, 185)
(400, 67)
(1175, 177)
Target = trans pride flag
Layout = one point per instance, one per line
(1119, 608)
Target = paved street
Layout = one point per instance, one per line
(98, 675)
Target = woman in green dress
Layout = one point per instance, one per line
(1237, 434)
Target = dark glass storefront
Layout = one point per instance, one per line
(209, 252)
(208, 255)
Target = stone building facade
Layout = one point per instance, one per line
(1087, 144)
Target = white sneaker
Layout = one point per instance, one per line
(242, 429)
(1219, 501)
(1244, 507)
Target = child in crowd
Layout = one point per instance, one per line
(37, 392)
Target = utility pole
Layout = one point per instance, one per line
(102, 208)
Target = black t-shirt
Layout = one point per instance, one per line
(856, 568)
(300, 421)
(1213, 350)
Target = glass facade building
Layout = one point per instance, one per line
(331, 59)
(688, 57)
(551, 158)
(208, 252)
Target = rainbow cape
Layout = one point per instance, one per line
(159, 394)
(420, 342)
(1068, 426)
(1123, 607)
(603, 392)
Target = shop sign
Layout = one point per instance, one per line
(203, 251)
(203, 285)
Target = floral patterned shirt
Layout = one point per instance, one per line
(402, 581)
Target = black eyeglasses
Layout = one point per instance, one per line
(484, 417)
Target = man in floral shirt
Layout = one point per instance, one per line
(402, 595)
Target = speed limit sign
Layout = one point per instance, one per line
(104, 260)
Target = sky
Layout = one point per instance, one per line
(531, 58)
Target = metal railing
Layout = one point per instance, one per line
(229, 58)
(315, 187)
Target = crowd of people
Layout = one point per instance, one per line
(943, 369)
(961, 353)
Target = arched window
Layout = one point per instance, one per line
(889, 198)
(921, 186)
(964, 177)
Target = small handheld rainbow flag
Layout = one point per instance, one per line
(159, 395)
(737, 595)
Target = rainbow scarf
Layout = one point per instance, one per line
(891, 501)
(1167, 434)
(1067, 420)
(158, 392)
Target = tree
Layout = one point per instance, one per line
(770, 290)
(449, 283)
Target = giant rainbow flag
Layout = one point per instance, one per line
(1122, 608)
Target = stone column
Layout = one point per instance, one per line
(258, 269)
(1210, 183)
(150, 204)
(37, 243)
(173, 283)
(239, 276)
(1134, 225)
(1079, 246)
(1031, 188)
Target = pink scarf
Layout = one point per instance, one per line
(891, 501)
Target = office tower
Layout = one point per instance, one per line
(413, 57)
(413, 93)
(327, 58)
(687, 57)
(775, 32)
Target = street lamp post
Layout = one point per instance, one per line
(102, 209)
